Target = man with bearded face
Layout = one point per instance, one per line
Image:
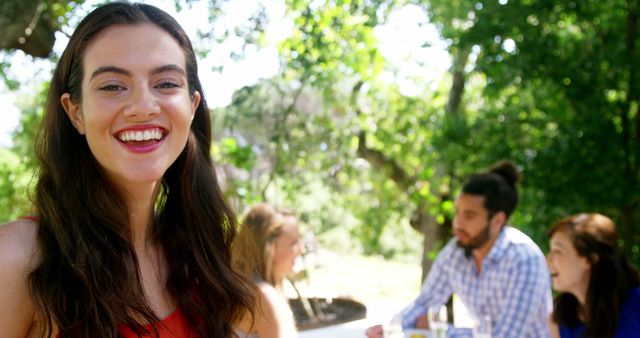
(495, 269)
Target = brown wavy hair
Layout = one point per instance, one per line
(612, 275)
(255, 248)
(88, 281)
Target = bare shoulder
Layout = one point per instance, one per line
(18, 257)
(268, 292)
(267, 303)
(18, 245)
(272, 302)
(272, 318)
(275, 313)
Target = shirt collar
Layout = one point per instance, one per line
(499, 246)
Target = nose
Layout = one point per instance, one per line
(550, 259)
(142, 104)
(457, 222)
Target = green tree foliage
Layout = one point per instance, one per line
(333, 51)
(551, 85)
(560, 97)
(318, 127)
(304, 150)
(17, 163)
(14, 181)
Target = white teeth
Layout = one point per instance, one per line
(139, 135)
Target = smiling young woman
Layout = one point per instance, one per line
(130, 235)
(599, 288)
(136, 109)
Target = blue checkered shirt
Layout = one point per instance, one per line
(513, 287)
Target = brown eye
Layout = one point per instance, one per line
(111, 88)
(168, 84)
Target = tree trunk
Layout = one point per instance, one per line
(435, 233)
(29, 25)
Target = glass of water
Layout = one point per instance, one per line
(482, 327)
(438, 323)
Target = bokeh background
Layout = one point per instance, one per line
(365, 116)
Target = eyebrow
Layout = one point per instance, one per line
(169, 68)
(108, 69)
(118, 70)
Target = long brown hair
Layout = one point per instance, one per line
(88, 281)
(612, 276)
(254, 250)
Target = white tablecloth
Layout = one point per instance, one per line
(377, 313)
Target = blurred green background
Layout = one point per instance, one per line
(372, 113)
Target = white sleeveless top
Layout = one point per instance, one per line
(245, 335)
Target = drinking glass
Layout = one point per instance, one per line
(438, 324)
(482, 327)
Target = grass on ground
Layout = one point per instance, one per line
(365, 279)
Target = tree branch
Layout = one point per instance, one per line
(281, 131)
(376, 158)
(384, 163)
(457, 84)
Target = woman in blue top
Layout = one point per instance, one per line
(599, 289)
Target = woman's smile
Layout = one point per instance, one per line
(142, 139)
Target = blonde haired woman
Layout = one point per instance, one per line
(266, 249)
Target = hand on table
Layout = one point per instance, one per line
(422, 322)
(375, 331)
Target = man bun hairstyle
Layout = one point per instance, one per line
(497, 186)
(508, 171)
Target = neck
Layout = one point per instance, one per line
(478, 256)
(140, 201)
(481, 252)
(278, 278)
(581, 294)
(278, 285)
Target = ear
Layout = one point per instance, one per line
(73, 112)
(499, 219)
(195, 101)
(594, 258)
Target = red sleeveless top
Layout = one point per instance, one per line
(174, 326)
